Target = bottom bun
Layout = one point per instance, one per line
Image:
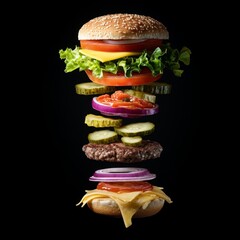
(107, 206)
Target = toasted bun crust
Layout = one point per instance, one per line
(123, 26)
(107, 206)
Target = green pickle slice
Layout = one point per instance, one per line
(135, 141)
(99, 121)
(91, 88)
(102, 137)
(135, 129)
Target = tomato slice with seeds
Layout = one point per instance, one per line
(124, 186)
(119, 79)
(105, 46)
(121, 99)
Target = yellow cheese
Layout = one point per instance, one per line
(107, 56)
(128, 203)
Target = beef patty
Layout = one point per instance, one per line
(118, 152)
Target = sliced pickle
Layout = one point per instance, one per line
(132, 141)
(99, 121)
(91, 88)
(140, 94)
(154, 88)
(135, 129)
(102, 136)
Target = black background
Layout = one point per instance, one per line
(53, 129)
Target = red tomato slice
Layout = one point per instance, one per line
(121, 99)
(100, 45)
(110, 79)
(124, 186)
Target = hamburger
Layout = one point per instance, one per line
(124, 49)
(125, 192)
(121, 50)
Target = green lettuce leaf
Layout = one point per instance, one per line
(156, 61)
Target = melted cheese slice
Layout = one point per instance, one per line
(128, 203)
(107, 56)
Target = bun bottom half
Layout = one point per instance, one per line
(107, 206)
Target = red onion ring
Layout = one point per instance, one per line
(121, 111)
(127, 41)
(122, 174)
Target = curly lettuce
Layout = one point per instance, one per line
(161, 58)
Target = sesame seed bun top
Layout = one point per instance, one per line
(123, 26)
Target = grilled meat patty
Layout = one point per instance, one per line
(118, 152)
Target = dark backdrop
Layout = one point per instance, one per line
(56, 129)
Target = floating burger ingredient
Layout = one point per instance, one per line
(124, 49)
(123, 104)
(124, 143)
(125, 192)
(146, 91)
